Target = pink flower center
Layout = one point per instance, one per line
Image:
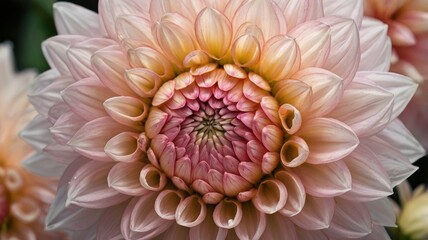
(208, 135)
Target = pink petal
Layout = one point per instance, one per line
(300, 11)
(151, 178)
(296, 193)
(400, 34)
(294, 152)
(316, 214)
(271, 196)
(375, 46)
(124, 178)
(345, 58)
(402, 87)
(127, 110)
(350, 220)
(167, 202)
(91, 139)
(325, 180)
(253, 223)
(109, 225)
(191, 211)
(382, 212)
(323, 147)
(396, 165)
(327, 89)
(66, 126)
(398, 136)
(86, 98)
(345, 9)
(143, 81)
(313, 39)
(208, 229)
(124, 147)
(278, 225)
(55, 49)
(227, 214)
(369, 179)
(89, 187)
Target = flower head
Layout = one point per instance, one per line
(408, 21)
(24, 197)
(222, 119)
(412, 218)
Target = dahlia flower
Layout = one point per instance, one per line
(408, 29)
(412, 217)
(255, 119)
(24, 197)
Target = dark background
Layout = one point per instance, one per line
(27, 23)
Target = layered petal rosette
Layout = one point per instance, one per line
(408, 29)
(24, 197)
(221, 120)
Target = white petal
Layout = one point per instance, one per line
(72, 19)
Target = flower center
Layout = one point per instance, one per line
(210, 133)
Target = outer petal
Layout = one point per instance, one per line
(382, 212)
(325, 180)
(370, 114)
(72, 19)
(323, 147)
(125, 178)
(375, 46)
(109, 224)
(396, 165)
(253, 223)
(208, 230)
(89, 187)
(93, 136)
(345, 58)
(278, 225)
(350, 220)
(370, 181)
(398, 136)
(300, 11)
(316, 214)
(402, 87)
(344, 8)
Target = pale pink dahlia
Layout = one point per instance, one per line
(24, 197)
(204, 119)
(408, 29)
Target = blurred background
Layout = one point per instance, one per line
(26, 23)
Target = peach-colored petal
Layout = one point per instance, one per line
(191, 212)
(227, 214)
(296, 193)
(167, 202)
(253, 223)
(127, 110)
(271, 196)
(294, 152)
(300, 11)
(349, 9)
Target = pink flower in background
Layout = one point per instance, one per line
(221, 120)
(408, 29)
(24, 197)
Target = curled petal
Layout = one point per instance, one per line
(195, 59)
(316, 214)
(127, 110)
(152, 179)
(124, 147)
(228, 214)
(296, 193)
(25, 209)
(323, 147)
(213, 32)
(325, 180)
(294, 152)
(290, 117)
(124, 178)
(280, 59)
(191, 211)
(250, 171)
(246, 51)
(167, 202)
(143, 81)
(271, 196)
